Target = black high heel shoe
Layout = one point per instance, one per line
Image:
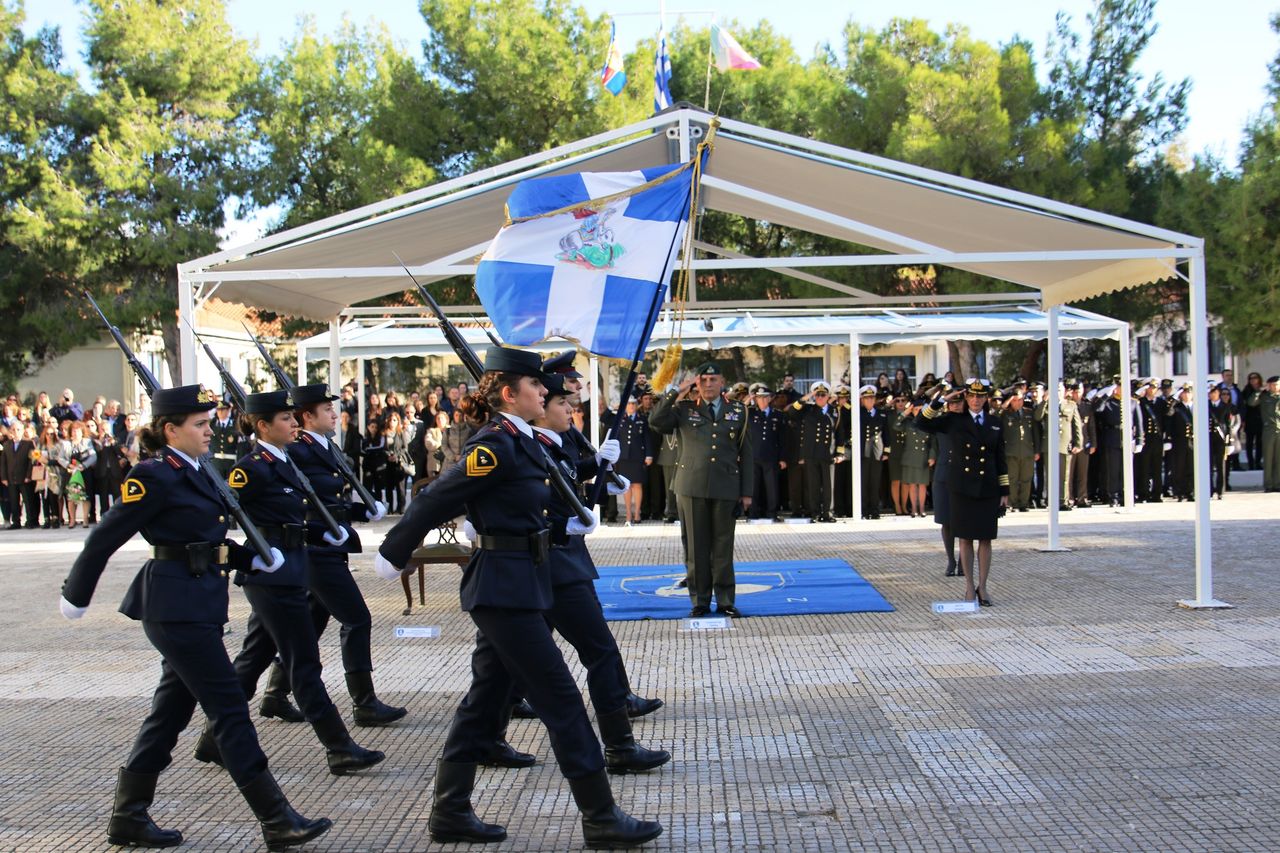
(983, 601)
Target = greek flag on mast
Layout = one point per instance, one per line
(661, 74)
(587, 257)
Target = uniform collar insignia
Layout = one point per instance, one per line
(173, 460)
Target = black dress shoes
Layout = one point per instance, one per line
(730, 611)
(699, 610)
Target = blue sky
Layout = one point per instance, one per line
(1224, 47)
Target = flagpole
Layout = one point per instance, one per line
(706, 97)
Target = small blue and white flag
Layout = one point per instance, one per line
(661, 75)
(596, 274)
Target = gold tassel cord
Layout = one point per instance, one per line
(674, 353)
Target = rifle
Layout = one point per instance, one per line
(313, 500)
(339, 457)
(149, 384)
(472, 363)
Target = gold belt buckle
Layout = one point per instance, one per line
(222, 555)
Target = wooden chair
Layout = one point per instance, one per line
(445, 550)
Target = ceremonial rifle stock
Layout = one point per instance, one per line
(149, 384)
(339, 457)
(313, 500)
(472, 363)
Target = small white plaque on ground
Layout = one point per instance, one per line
(707, 623)
(955, 607)
(798, 521)
(429, 632)
(760, 521)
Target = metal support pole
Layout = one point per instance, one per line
(597, 394)
(855, 429)
(186, 332)
(335, 365)
(1126, 417)
(1200, 422)
(362, 399)
(1053, 465)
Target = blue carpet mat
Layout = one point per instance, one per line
(789, 588)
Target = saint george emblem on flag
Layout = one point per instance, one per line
(594, 273)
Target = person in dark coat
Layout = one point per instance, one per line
(942, 491)
(764, 430)
(1181, 450)
(874, 445)
(814, 416)
(978, 478)
(637, 444)
(1219, 439)
(1108, 416)
(503, 482)
(180, 596)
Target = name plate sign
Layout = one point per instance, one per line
(429, 632)
(955, 607)
(707, 623)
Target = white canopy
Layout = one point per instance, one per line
(411, 337)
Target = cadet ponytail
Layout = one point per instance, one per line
(151, 436)
(480, 405)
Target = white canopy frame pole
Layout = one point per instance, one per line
(1200, 424)
(362, 399)
(186, 332)
(1125, 396)
(335, 364)
(597, 394)
(855, 429)
(1053, 465)
(302, 367)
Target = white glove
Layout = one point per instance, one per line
(277, 560)
(1168, 445)
(610, 450)
(385, 570)
(334, 540)
(1137, 448)
(576, 528)
(69, 610)
(379, 511)
(468, 530)
(619, 489)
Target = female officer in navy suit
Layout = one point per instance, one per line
(271, 492)
(977, 476)
(180, 596)
(333, 591)
(503, 483)
(575, 611)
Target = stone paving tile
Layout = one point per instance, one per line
(1084, 711)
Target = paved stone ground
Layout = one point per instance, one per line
(1084, 711)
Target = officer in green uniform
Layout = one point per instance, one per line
(1268, 402)
(1070, 441)
(1022, 441)
(715, 472)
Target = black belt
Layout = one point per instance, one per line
(198, 556)
(341, 514)
(538, 544)
(285, 535)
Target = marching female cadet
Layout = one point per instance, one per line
(977, 477)
(180, 596)
(506, 588)
(271, 492)
(332, 589)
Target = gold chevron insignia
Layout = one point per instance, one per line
(132, 491)
(480, 462)
(238, 479)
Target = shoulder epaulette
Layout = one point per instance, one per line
(306, 437)
(510, 427)
(173, 461)
(548, 442)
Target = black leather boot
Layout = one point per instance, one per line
(207, 751)
(604, 825)
(523, 711)
(275, 699)
(452, 818)
(503, 754)
(130, 825)
(621, 752)
(281, 826)
(344, 755)
(638, 706)
(367, 708)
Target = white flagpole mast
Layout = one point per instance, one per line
(706, 97)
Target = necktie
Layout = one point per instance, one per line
(715, 411)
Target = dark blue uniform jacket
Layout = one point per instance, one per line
(570, 559)
(502, 486)
(319, 466)
(170, 503)
(272, 496)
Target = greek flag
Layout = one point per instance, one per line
(595, 274)
(661, 75)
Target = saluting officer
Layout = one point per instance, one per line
(873, 445)
(1070, 440)
(1107, 418)
(180, 596)
(332, 590)
(1022, 441)
(1268, 403)
(716, 471)
(919, 454)
(842, 487)
(764, 429)
(815, 417)
(1181, 436)
(1149, 449)
(506, 589)
(226, 437)
(636, 443)
(270, 490)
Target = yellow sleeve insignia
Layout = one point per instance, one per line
(238, 479)
(480, 461)
(132, 491)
